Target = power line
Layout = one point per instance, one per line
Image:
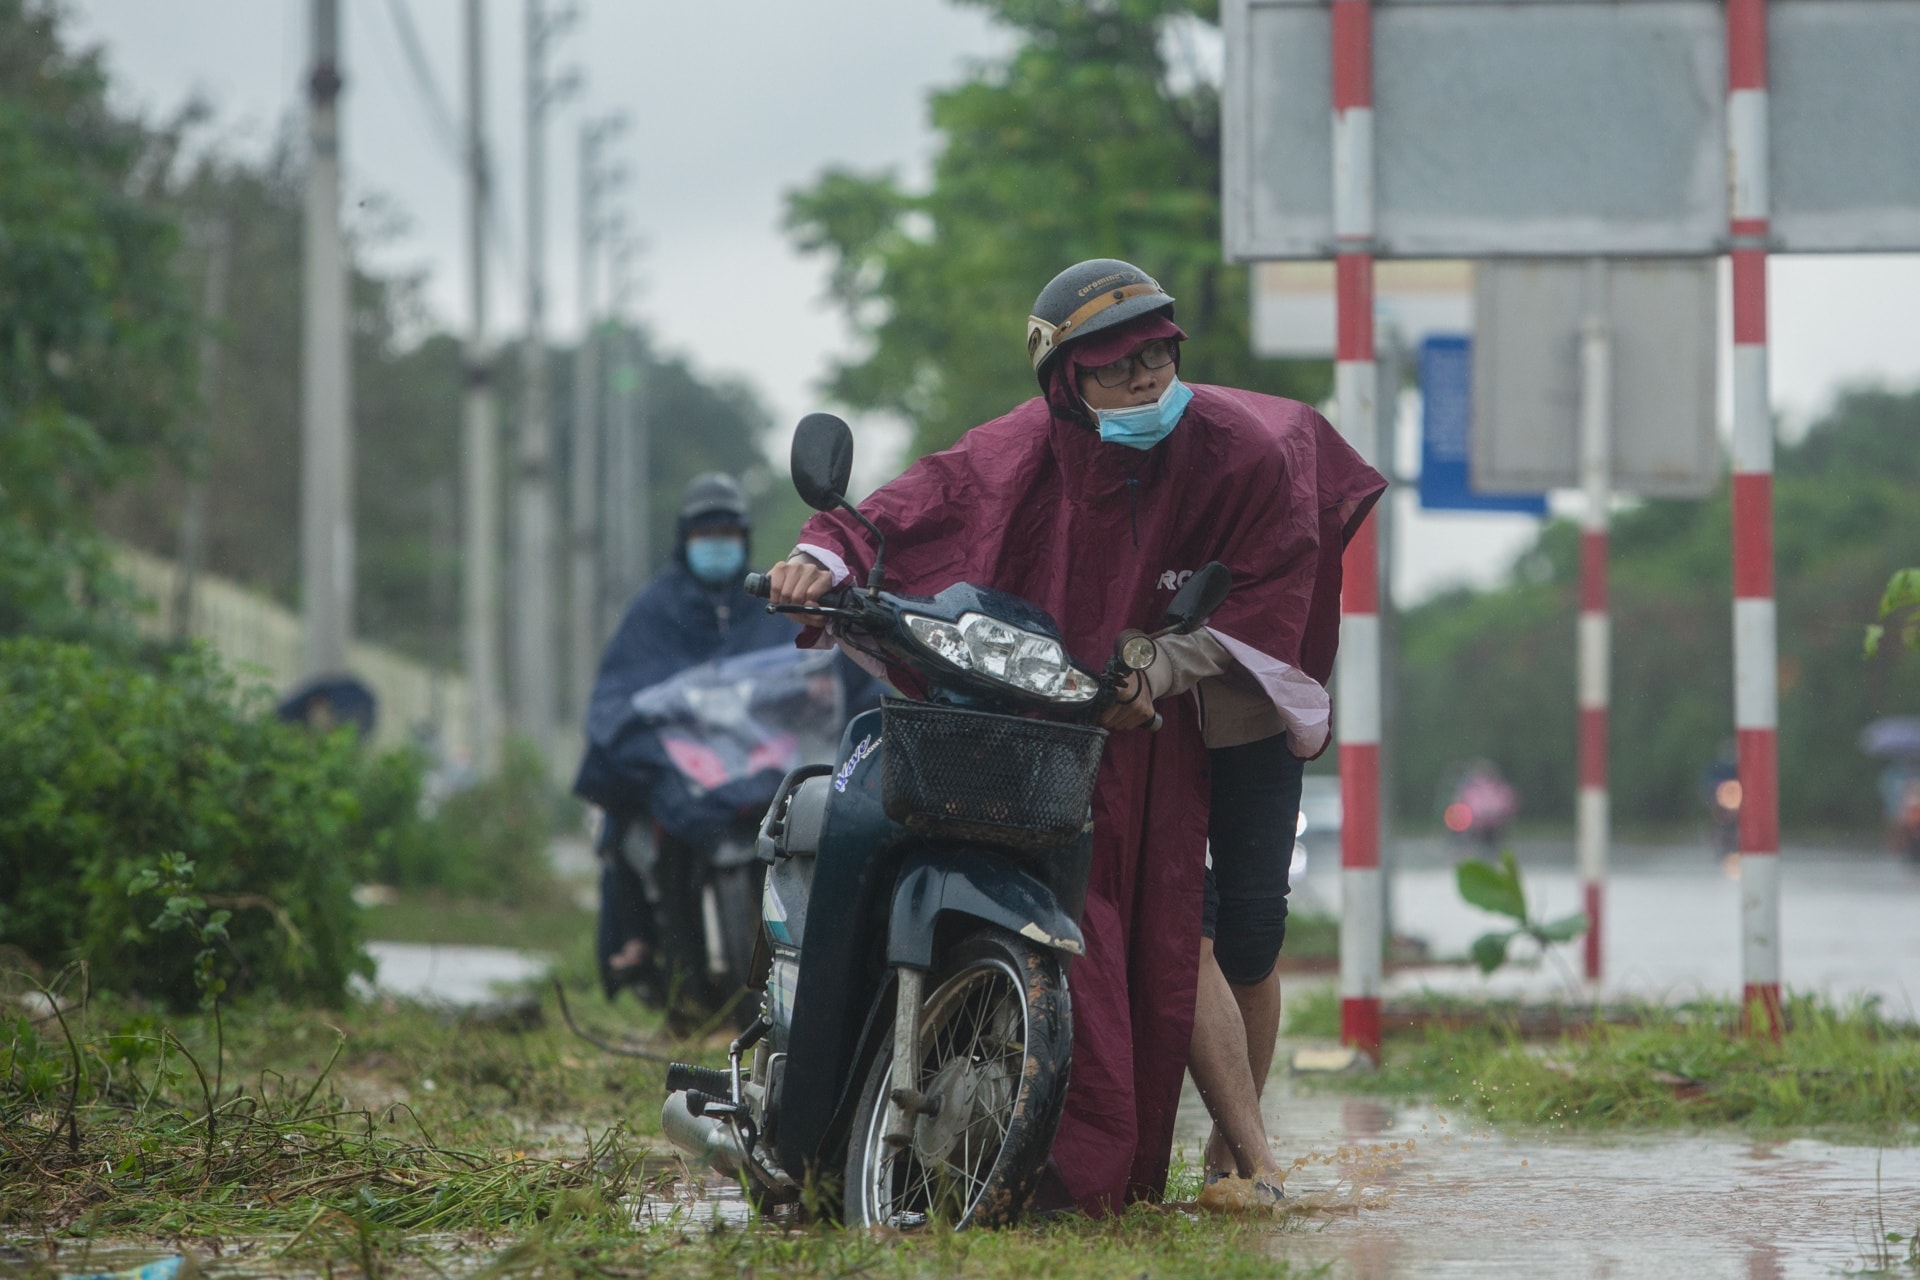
(443, 123)
(440, 114)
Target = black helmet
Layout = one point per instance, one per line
(1086, 298)
(713, 496)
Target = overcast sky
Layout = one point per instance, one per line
(731, 105)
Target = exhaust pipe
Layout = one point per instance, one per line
(705, 1139)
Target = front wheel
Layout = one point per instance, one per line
(995, 1042)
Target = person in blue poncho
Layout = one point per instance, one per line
(672, 780)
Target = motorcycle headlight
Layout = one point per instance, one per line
(1020, 659)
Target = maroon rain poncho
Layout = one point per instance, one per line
(1099, 535)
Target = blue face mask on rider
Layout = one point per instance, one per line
(1143, 426)
(715, 560)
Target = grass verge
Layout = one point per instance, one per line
(391, 1140)
(1842, 1070)
(114, 1119)
(553, 925)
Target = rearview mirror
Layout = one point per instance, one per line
(822, 460)
(1195, 602)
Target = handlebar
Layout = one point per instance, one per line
(760, 586)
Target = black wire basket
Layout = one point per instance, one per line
(1000, 780)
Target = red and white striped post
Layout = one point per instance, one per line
(1596, 640)
(1756, 698)
(1355, 375)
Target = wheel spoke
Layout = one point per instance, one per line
(974, 1038)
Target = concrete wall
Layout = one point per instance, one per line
(418, 703)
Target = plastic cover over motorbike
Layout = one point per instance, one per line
(701, 705)
(1100, 535)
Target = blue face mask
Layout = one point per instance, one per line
(1145, 425)
(716, 560)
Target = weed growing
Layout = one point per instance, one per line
(1845, 1070)
(113, 1120)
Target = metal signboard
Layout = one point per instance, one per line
(1538, 128)
(1446, 421)
(1293, 304)
(1528, 318)
(1844, 96)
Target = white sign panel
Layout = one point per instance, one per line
(1844, 93)
(1528, 318)
(1293, 315)
(1532, 128)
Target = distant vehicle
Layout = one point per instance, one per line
(1900, 797)
(1483, 806)
(1896, 739)
(1316, 843)
(1722, 786)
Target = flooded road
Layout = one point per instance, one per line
(1672, 927)
(1380, 1190)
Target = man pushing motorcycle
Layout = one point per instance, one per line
(1095, 501)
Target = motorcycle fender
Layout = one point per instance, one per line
(981, 883)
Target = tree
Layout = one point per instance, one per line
(1096, 137)
(96, 355)
(1491, 674)
(406, 407)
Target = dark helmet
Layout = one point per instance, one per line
(713, 497)
(1086, 298)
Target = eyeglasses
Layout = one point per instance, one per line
(1155, 355)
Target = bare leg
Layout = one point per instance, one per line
(1221, 1061)
(1259, 1007)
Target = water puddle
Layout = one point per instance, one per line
(1379, 1190)
(693, 1202)
(449, 975)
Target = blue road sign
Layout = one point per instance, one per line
(1446, 391)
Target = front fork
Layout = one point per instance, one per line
(906, 1104)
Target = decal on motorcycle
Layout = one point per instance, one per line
(859, 753)
(783, 980)
(773, 912)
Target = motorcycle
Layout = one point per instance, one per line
(920, 912)
(1723, 807)
(720, 737)
(1903, 817)
(1483, 806)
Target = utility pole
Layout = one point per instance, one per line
(588, 457)
(1392, 374)
(218, 236)
(480, 444)
(1356, 378)
(534, 563)
(629, 473)
(326, 377)
(1595, 636)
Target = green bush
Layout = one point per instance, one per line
(105, 767)
(487, 841)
